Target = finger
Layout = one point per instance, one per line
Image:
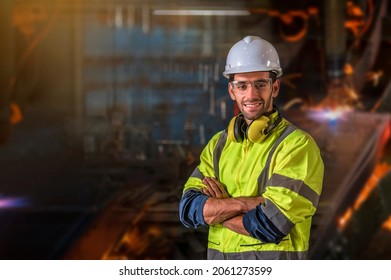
(219, 188)
(206, 192)
(216, 188)
(210, 186)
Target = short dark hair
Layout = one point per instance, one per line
(273, 75)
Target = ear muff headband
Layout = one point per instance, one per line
(235, 129)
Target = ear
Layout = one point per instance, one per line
(231, 91)
(276, 88)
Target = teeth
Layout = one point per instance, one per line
(252, 105)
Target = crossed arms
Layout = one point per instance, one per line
(213, 205)
(229, 211)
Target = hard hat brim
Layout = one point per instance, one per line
(252, 68)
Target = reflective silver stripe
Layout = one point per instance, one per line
(217, 152)
(298, 186)
(262, 179)
(197, 174)
(277, 217)
(257, 255)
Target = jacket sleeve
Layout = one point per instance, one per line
(292, 190)
(260, 227)
(193, 199)
(191, 208)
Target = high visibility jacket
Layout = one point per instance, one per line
(286, 168)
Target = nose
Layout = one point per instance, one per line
(251, 91)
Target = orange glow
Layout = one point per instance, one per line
(385, 137)
(341, 93)
(375, 76)
(288, 19)
(380, 170)
(16, 114)
(357, 22)
(387, 224)
(26, 16)
(348, 69)
(342, 221)
(135, 244)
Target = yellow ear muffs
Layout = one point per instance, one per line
(256, 130)
(235, 129)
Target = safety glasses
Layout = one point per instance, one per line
(258, 85)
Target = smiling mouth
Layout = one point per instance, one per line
(252, 105)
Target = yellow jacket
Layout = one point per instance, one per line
(286, 168)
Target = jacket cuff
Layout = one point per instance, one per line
(260, 227)
(191, 208)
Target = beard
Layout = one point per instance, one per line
(254, 109)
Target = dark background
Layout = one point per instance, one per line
(106, 105)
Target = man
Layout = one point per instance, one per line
(258, 182)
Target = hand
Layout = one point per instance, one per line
(214, 188)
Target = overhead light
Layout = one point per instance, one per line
(201, 12)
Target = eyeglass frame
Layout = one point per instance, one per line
(234, 84)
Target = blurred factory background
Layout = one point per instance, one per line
(106, 105)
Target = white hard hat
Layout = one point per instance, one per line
(251, 54)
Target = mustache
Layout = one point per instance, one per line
(253, 101)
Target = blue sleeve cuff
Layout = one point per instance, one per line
(191, 208)
(260, 227)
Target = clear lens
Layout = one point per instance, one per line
(259, 85)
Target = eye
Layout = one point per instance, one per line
(241, 86)
(261, 84)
